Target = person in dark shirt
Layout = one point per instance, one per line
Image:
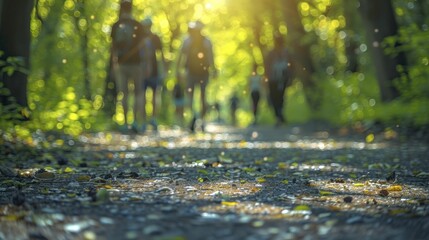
(197, 58)
(277, 70)
(127, 36)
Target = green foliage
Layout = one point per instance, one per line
(71, 114)
(12, 64)
(412, 108)
(349, 98)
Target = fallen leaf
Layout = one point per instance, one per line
(261, 180)
(325, 193)
(83, 178)
(394, 188)
(302, 208)
(282, 165)
(229, 204)
(398, 211)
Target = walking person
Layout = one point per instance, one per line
(196, 57)
(234, 102)
(127, 35)
(277, 71)
(255, 88)
(154, 79)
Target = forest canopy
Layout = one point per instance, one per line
(356, 62)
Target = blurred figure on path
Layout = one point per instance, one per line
(277, 71)
(127, 36)
(196, 57)
(156, 69)
(255, 88)
(218, 112)
(234, 102)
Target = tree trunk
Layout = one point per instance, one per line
(352, 30)
(83, 33)
(109, 98)
(380, 23)
(302, 63)
(85, 61)
(15, 42)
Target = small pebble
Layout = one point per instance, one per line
(348, 199)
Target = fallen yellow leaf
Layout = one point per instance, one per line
(68, 170)
(325, 193)
(282, 165)
(368, 192)
(302, 208)
(229, 204)
(394, 188)
(260, 180)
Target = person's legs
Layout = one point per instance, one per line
(139, 109)
(282, 104)
(190, 85)
(154, 86)
(203, 100)
(203, 80)
(180, 102)
(255, 102)
(233, 116)
(279, 105)
(122, 89)
(276, 101)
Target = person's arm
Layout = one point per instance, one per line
(211, 58)
(147, 54)
(114, 53)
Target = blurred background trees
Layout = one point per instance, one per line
(355, 61)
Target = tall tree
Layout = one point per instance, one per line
(303, 64)
(380, 22)
(15, 43)
(352, 29)
(82, 22)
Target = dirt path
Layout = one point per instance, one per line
(295, 182)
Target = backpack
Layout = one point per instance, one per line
(197, 57)
(124, 38)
